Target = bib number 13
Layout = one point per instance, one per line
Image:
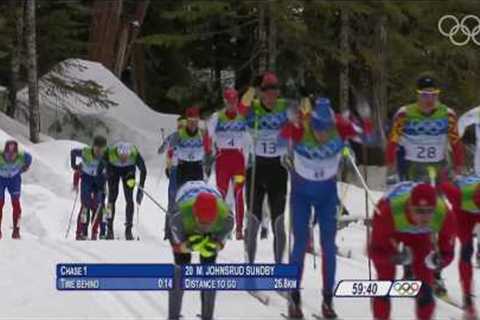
(426, 152)
(269, 147)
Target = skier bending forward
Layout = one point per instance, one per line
(464, 196)
(201, 223)
(412, 214)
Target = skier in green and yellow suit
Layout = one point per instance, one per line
(201, 223)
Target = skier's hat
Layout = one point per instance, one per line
(427, 83)
(230, 95)
(11, 146)
(269, 81)
(423, 195)
(205, 208)
(322, 118)
(99, 141)
(192, 113)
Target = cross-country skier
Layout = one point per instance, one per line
(202, 224)
(464, 196)
(411, 213)
(171, 170)
(266, 176)
(425, 129)
(472, 117)
(192, 149)
(92, 187)
(228, 130)
(121, 160)
(318, 140)
(12, 164)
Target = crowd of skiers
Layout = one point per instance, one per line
(260, 142)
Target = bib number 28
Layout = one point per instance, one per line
(426, 152)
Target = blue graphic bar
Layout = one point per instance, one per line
(241, 270)
(89, 270)
(240, 283)
(113, 283)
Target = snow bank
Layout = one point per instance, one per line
(72, 118)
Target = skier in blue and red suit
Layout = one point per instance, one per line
(317, 137)
(12, 164)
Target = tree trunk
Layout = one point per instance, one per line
(380, 75)
(32, 72)
(16, 20)
(272, 38)
(262, 39)
(104, 29)
(344, 65)
(139, 70)
(140, 13)
(122, 47)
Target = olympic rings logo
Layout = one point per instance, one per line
(406, 288)
(460, 26)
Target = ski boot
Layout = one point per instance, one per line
(294, 306)
(239, 235)
(16, 233)
(264, 233)
(407, 272)
(128, 233)
(439, 288)
(327, 308)
(469, 310)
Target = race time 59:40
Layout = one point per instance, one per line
(362, 288)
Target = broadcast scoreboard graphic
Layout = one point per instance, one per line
(377, 288)
(161, 277)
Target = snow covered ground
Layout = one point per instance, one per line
(28, 265)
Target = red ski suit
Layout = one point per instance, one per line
(465, 224)
(383, 247)
(230, 160)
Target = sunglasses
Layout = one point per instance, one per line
(267, 88)
(423, 210)
(428, 94)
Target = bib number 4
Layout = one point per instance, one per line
(426, 153)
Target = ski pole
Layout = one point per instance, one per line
(71, 214)
(137, 222)
(346, 152)
(132, 183)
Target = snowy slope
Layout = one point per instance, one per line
(130, 119)
(28, 265)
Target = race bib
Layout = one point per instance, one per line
(190, 153)
(230, 140)
(425, 149)
(267, 145)
(9, 170)
(316, 169)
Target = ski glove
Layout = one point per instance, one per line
(167, 172)
(203, 245)
(434, 261)
(392, 179)
(287, 162)
(403, 257)
(208, 163)
(139, 196)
